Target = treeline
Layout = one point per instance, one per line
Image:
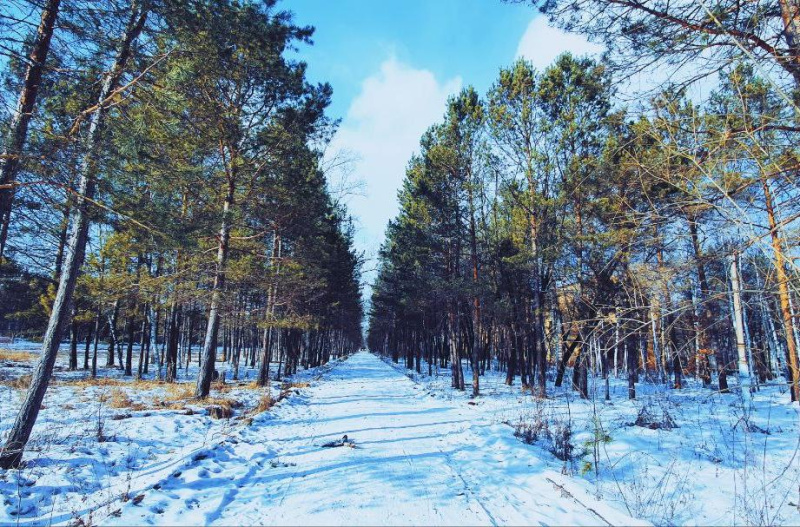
(544, 226)
(163, 191)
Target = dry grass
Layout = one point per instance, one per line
(176, 397)
(265, 403)
(19, 383)
(223, 401)
(221, 408)
(287, 387)
(177, 392)
(234, 385)
(119, 399)
(89, 382)
(174, 390)
(222, 387)
(219, 412)
(161, 404)
(290, 385)
(18, 356)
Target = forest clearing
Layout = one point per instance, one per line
(296, 262)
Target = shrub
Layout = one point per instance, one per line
(554, 434)
(655, 418)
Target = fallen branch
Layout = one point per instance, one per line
(344, 441)
(567, 494)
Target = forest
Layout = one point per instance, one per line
(546, 224)
(585, 311)
(168, 192)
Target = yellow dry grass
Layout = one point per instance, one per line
(119, 399)
(18, 356)
(177, 392)
(222, 387)
(174, 396)
(97, 381)
(264, 403)
(173, 389)
(221, 407)
(19, 383)
(290, 385)
(225, 402)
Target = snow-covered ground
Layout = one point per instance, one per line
(717, 465)
(417, 459)
(97, 444)
(422, 453)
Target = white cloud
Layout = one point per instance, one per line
(542, 43)
(382, 128)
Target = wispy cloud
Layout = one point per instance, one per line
(382, 129)
(542, 43)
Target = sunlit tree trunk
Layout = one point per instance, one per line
(707, 349)
(783, 291)
(745, 380)
(209, 352)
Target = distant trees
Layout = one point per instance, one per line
(180, 200)
(602, 240)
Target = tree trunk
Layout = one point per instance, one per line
(511, 367)
(112, 324)
(131, 329)
(173, 335)
(154, 321)
(18, 128)
(63, 230)
(23, 425)
(738, 326)
(783, 290)
(98, 318)
(89, 335)
(707, 349)
(266, 351)
(541, 349)
(632, 367)
(73, 342)
(142, 341)
(476, 339)
(189, 341)
(209, 352)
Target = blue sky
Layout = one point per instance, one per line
(392, 65)
(467, 38)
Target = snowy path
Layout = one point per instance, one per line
(419, 460)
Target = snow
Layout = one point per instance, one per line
(721, 465)
(422, 453)
(70, 475)
(418, 460)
